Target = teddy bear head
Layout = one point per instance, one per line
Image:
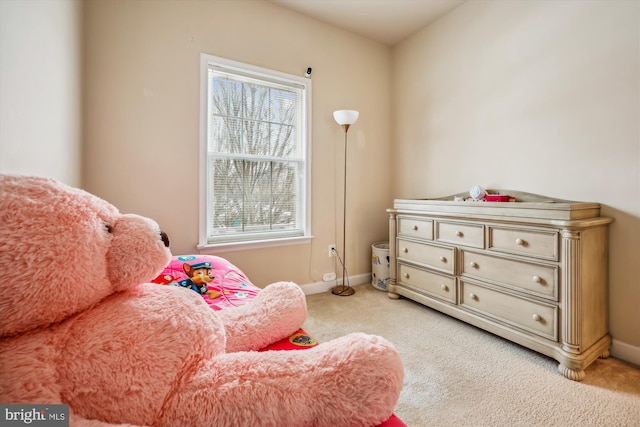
(62, 250)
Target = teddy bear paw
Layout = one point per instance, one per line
(278, 311)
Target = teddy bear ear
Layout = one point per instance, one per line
(53, 243)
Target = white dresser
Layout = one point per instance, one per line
(534, 271)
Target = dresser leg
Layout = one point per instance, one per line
(605, 354)
(572, 374)
(393, 295)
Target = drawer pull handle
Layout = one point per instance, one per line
(444, 287)
(473, 296)
(443, 259)
(473, 264)
(537, 279)
(459, 233)
(520, 242)
(415, 228)
(405, 250)
(406, 275)
(536, 317)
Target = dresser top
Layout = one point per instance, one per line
(526, 205)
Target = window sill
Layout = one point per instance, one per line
(212, 249)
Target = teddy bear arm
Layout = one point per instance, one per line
(352, 381)
(28, 370)
(125, 376)
(278, 311)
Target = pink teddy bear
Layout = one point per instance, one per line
(79, 326)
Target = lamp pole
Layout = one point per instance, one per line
(345, 118)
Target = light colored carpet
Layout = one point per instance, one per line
(459, 375)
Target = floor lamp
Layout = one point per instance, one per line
(345, 118)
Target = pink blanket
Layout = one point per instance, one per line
(220, 283)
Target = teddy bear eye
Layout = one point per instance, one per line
(108, 228)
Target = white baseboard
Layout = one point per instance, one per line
(626, 352)
(319, 287)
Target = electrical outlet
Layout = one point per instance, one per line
(332, 249)
(328, 277)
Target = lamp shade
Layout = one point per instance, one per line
(346, 117)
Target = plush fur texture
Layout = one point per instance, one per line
(78, 325)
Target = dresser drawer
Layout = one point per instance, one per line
(540, 244)
(427, 281)
(415, 227)
(437, 257)
(460, 233)
(531, 316)
(537, 279)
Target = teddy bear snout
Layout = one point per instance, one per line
(165, 238)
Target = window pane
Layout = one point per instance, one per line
(283, 143)
(257, 141)
(227, 196)
(253, 195)
(256, 102)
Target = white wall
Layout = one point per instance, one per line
(536, 96)
(142, 119)
(40, 88)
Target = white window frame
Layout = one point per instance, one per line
(204, 245)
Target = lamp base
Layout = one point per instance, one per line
(343, 291)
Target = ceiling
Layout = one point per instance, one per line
(386, 21)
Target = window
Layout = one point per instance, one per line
(254, 155)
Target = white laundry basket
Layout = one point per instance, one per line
(380, 265)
